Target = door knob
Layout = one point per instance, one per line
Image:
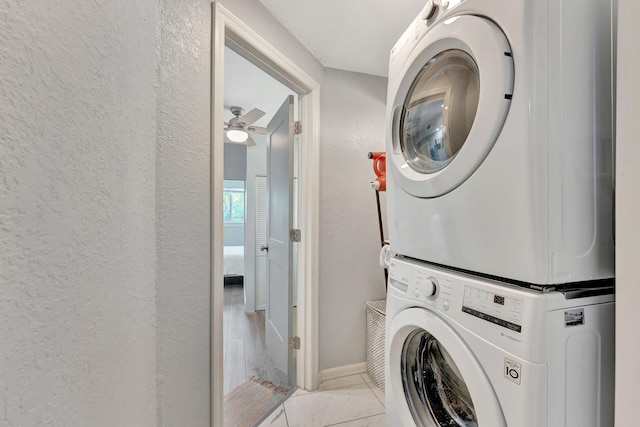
(264, 248)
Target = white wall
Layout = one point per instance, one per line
(77, 213)
(235, 169)
(235, 162)
(352, 124)
(183, 212)
(87, 322)
(627, 216)
(233, 234)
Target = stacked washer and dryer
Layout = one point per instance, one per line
(500, 304)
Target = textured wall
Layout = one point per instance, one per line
(87, 200)
(183, 231)
(77, 220)
(353, 123)
(628, 212)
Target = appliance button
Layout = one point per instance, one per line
(429, 10)
(445, 305)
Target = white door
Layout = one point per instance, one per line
(279, 322)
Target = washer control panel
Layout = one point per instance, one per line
(457, 295)
(502, 310)
(412, 280)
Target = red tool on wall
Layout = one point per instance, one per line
(380, 184)
(380, 168)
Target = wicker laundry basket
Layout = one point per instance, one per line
(375, 341)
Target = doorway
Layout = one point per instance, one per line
(253, 97)
(228, 30)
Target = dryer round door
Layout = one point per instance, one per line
(450, 106)
(441, 380)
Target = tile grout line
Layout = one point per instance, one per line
(374, 393)
(284, 409)
(359, 384)
(354, 419)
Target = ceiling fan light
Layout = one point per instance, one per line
(237, 135)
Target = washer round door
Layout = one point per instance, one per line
(440, 378)
(450, 105)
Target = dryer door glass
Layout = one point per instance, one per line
(433, 386)
(439, 110)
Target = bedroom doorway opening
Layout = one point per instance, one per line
(251, 98)
(229, 31)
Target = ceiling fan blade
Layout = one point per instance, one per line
(251, 116)
(250, 142)
(257, 130)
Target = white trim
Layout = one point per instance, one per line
(343, 371)
(308, 258)
(261, 307)
(217, 233)
(228, 29)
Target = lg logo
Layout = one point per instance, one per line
(512, 370)
(513, 373)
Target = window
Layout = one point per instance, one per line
(233, 202)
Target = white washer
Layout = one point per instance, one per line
(463, 351)
(499, 139)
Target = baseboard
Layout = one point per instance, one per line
(342, 371)
(261, 307)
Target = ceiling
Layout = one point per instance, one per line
(247, 86)
(352, 35)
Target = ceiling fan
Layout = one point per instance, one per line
(238, 130)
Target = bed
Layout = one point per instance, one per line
(233, 265)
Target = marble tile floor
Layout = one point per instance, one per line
(352, 401)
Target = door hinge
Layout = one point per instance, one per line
(297, 127)
(294, 343)
(295, 235)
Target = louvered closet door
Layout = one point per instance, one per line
(262, 218)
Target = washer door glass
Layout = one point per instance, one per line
(439, 111)
(433, 386)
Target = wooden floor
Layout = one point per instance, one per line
(244, 344)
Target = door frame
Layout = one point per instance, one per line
(227, 29)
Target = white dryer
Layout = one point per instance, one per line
(461, 351)
(499, 141)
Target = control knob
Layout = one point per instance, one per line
(427, 288)
(429, 9)
(432, 288)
